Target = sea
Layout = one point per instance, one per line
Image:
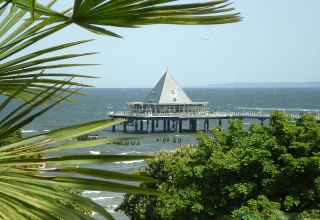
(97, 102)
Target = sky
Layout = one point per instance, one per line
(277, 41)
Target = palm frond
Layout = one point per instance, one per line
(132, 13)
(29, 181)
(24, 114)
(17, 68)
(94, 14)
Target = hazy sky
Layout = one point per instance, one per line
(278, 41)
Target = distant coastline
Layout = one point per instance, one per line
(238, 85)
(263, 85)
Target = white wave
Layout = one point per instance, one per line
(182, 135)
(94, 152)
(111, 206)
(131, 161)
(46, 130)
(131, 152)
(91, 192)
(29, 131)
(94, 213)
(105, 197)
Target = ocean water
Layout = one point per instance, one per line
(97, 102)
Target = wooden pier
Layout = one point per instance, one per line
(184, 122)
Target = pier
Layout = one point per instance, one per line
(168, 108)
(150, 122)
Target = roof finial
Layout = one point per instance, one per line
(167, 69)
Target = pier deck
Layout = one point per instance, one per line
(148, 121)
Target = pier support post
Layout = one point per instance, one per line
(220, 122)
(125, 126)
(141, 125)
(152, 126)
(194, 125)
(164, 125)
(180, 125)
(262, 120)
(168, 125)
(206, 125)
(113, 128)
(147, 126)
(136, 126)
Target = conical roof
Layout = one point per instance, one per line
(167, 91)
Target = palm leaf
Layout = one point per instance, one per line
(16, 69)
(40, 52)
(63, 134)
(17, 181)
(20, 151)
(100, 173)
(58, 195)
(90, 14)
(20, 116)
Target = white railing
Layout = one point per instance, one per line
(198, 114)
(152, 114)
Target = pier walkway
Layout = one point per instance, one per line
(148, 122)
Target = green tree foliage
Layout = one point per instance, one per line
(260, 208)
(13, 137)
(256, 173)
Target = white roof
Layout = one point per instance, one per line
(167, 91)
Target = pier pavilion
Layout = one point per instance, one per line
(168, 108)
(168, 98)
(168, 103)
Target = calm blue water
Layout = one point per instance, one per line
(97, 102)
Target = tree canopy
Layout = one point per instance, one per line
(264, 172)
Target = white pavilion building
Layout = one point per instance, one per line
(168, 98)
